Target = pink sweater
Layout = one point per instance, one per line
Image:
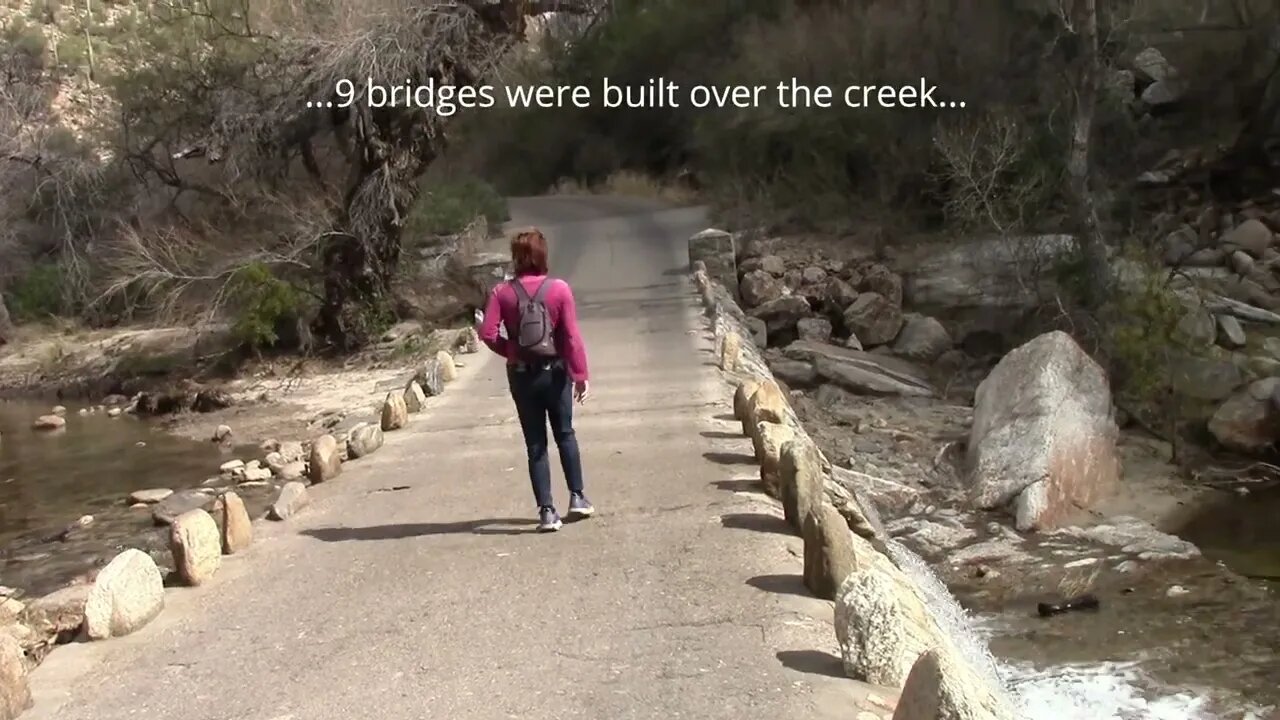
(504, 307)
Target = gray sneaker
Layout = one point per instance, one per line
(548, 520)
(579, 506)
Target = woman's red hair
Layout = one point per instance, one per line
(529, 252)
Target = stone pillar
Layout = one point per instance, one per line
(715, 248)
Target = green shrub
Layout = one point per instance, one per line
(261, 301)
(38, 294)
(448, 207)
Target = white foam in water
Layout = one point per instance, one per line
(1105, 691)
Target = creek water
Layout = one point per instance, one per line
(1242, 531)
(1048, 690)
(50, 479)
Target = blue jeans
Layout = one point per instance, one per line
(544, 393)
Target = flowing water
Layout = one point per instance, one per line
(1241, 531)
(50, 479)
(1087, 691)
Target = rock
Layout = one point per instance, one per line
(232, 466)
(773, 265)
(468, 341)
(293, 497)
(1263, 367)
(801, 477)
(56, 618)
(1134, 536)
(1205, 258)
(941, 686)
(742, 397)
(221, 434)
(114, 412)
(211, 400)
(836, 295)
(767, 442)
(882, 281)
(1271, 346)
(59, 410)
(49, 422)
(922, 339)
(889, 496)
(861, 372)
(237, 528)
(815, 329)
(364, 439)
(1179, 245)
(1152, 66)
(931, 537)
(1205, 377)
(1242, 262)
(1043, 433)
(274, 461)
(395, 414)
(730, 352)
(293, 470)
(1251, 236)
(448, 367)
(1198, 328)
(813, 275)
(859, 513)
(782, 315)
(795, 373)
(151, 496)
(874, 319)
(765, 404)
(127, 594)
(853, 343)
(828, 550)
(15, 694)
(759, 287)
(1163, 92)
(430, 377)
(324, 463)
(257, 474)
(1249, 421)
(415, 400)
(196, 545)
(759, 331)
(1231, 332)
(716, 248)
(987, 283)
(183, 501)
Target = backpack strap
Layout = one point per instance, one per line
(541, 294)
(522, 295)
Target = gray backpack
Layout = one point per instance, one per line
(535, 337)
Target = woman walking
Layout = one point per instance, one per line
(546, 368)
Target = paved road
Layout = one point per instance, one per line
(415, 588)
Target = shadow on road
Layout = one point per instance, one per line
(758, 522)
(727, 458)
(814, 662)
(780, 585)
(493, 526)
(738, 485)
(721, 435)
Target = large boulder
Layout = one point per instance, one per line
(835, 296)
(1251, 236)
(237, 528)
(941, 686)
(448, 366)
(196, 545)
(878, 279)
(759, 287)
(815, 329)
(325, 462)
(430, 376)
(15, 695)
(782, 315)
(395, 413)
(127, 594)
(1249, 421)
(987, 284)
(768, 441)
(922, 339)
(1043, 433)
(829, 553)
(801, 477)
(292, 498)
(765, 404)
(364, 439)
(875, 319)
(179, 503)
(415, 400)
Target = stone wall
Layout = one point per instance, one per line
(887, 632)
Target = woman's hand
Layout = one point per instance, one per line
(581, 391)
